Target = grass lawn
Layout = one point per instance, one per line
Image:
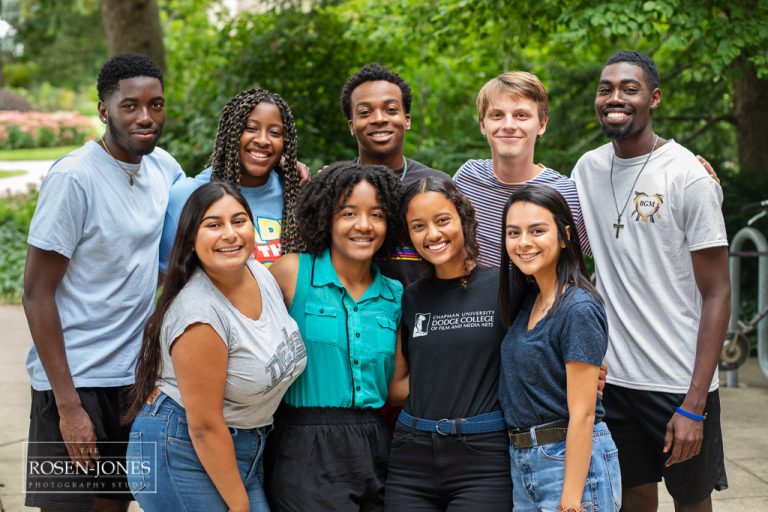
(14, 155)
(8, 174)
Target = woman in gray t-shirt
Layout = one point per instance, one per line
(218, 354)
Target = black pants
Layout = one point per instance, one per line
(432, 472)
(327, 459)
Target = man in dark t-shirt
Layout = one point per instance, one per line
(377, 105)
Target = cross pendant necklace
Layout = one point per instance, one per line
(618, 225)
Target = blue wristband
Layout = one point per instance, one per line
(690, 415)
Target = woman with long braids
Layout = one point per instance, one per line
(255, 150)
(218, 354)
(450, 446)
(331, 446)
(563, 456)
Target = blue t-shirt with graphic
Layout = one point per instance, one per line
(266, 203)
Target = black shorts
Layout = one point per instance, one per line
(51, 480)
(327, 459)
(638, 422)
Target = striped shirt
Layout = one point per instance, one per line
(476, 180)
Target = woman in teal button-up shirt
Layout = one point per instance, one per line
(331, 447)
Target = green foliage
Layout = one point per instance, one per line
(63, 42)
(15, 216)
(17, 155)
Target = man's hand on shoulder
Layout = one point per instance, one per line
(708, 167)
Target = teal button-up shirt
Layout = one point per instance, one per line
(350, 345)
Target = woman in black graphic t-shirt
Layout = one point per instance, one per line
(450, 447)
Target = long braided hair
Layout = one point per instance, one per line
(225, 158)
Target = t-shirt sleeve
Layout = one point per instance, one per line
(186, 311)
(702, 214)
(178, 196)
(407, 312)
(584, 337)
(59, 218)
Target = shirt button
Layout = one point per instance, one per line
(357, 388)
(322, 311)
(356, 361)
(355, 310)
(357, 335)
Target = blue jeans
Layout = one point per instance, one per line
(164, 472)
(538, 473)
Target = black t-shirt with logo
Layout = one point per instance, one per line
(451, 337)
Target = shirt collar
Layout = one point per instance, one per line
(324, 274)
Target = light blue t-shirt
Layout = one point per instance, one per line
(266, 204)
(109, 230)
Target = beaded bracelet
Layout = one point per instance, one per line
(690, 415)
(573, 509)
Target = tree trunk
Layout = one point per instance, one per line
(134, 26)
(750, 105)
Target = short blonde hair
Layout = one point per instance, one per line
(518, 84)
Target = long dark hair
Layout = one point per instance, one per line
(321, 197)
(225, 158)
(181, 266)
(463, 207)
(514, 286)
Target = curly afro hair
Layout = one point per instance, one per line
(322, 196)
(225, 158)
(463, 207)
(644, 62)
(371, 73)
(123, 66)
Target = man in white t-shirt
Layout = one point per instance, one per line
(89, 286)
(657, 235)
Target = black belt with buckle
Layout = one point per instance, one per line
(545, 434)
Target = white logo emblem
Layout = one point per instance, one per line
(421, 325)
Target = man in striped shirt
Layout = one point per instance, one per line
(513, 111)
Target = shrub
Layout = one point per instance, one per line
(16, 212)
(44, 130)
(12, 101)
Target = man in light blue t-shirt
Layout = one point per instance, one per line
(89, 284)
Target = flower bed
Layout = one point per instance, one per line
(43, 129)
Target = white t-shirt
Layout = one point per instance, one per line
(646, 274)
(265, 355)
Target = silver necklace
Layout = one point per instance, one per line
(618, 225)
(405, 166)
(131, 175)
(541, 308)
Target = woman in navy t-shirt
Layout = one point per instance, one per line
(550, 361)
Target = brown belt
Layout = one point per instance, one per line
(545, 434)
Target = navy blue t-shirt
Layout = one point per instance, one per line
(532, 387)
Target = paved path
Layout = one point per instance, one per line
(745, 426)
(36, 172)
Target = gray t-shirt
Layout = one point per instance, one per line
(265, 355)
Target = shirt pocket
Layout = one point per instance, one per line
(385, 335)
(322, 323)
